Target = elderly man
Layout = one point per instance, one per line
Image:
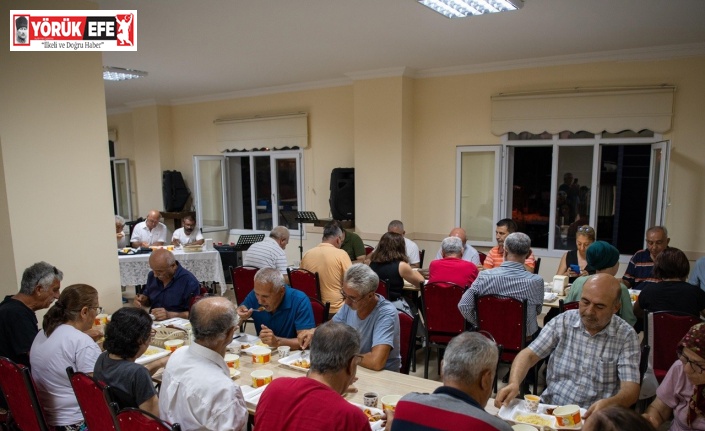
(280, 312)
(375, 318)
(18, 322)
(495, 257)
(334, 361)
(510, 279)
(352, 244)
(149, 232)
(640, 269)
(412, 250)
(170, 287)
(197, 391)
(269, 253)
(188, 234)
(122, 239)
(452, 267)
(594, 354)
(330, 262)
(467, 369)
(468, 252)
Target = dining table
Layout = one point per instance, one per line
(204, 265)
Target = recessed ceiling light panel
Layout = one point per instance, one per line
(120, 74)
(463, 8)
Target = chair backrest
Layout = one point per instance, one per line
(321, 311)
(368, 249)
(132, 419)
(483, 256)
(643, 361)
(662, 331)
(94, 399)
(564, 306)
(305, 281)
(422, 253)
(21, 396)
(505, 319)
(440, 307)
(383, 289)
(407, 339)
(243, 281)
(537, 265)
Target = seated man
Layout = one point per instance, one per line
(510, 279)
(468, 254)
(495, 256)
(452, 267)
(412, 250)
(122, 239)
(188, 234)
(149, 232)
(269, 253)
(197, 391)
(334, 360)
(375, 318)
(352, 244)
(594, 354)
(330, 262)
(169, 289)
(639, 272)
(468, 369)
(280, 312)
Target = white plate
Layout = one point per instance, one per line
(376, 425)
(241, 339)
(145, 358)
(251, 395)
(517, 407)
(293, 357)
(257, 349)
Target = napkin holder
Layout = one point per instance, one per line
(560, 282)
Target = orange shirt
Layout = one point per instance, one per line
(495, 258)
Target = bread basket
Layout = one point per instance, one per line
(165, 333)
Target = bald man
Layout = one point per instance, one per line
(149, 232)
(594, 354)
(469, 253)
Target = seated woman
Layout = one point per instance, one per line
(584, 237)
(390, 263)
(122, 239)
(604, 257)
(672, 292)
(62, 343)
(681, 395)
(127, 337)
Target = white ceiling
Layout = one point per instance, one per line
(199, 50)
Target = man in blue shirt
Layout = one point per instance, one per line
(280, 312)
(170, 287)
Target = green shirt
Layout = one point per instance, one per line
(626, 311)
(353, 245)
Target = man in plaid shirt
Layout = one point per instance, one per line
(594, 353)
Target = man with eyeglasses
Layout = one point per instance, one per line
(334, 361)
(149, 232)
(639, 272)
(330, 262)
(594, 353)
(374, 318)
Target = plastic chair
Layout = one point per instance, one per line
(243, 283)
(383, 289)
(408, 326)
(21, 396)
(305, 281)
(368, 249)
(505, 318)
(95, 401)
(132, 419)
(422, 253)
(321, 311)
(662, 331)
(443, 319)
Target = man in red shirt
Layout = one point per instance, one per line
(452, 267)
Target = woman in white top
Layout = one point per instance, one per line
(63, 343)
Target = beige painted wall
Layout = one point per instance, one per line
(56, 164)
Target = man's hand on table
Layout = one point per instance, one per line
(506, 395)
(140, 300)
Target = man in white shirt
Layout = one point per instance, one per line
(149, 232)
(469, 252)
(269, 253)
(188, 234)
(197, 391)
(412, 250)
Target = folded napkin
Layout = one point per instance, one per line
(549, 297)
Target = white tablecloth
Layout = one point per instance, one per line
(204, 265)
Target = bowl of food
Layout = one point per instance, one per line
(567, 416)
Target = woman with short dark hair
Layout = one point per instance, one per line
(127, 337)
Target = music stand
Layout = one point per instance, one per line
(304, 217)
(245, 241)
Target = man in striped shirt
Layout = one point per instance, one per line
(509, 279)
(639, 272)
(270, 252)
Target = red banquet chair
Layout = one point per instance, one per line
(243, 283)
(443, 319)
(408, 327)
(95, 401)
(383, 289)
(305, 281)
(21, 396)
(321, 311)
(662, 331)
(132, 419)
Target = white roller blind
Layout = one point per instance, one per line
(257, 132)
(588, 109)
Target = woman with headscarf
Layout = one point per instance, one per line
(681, 395)
(604, 257)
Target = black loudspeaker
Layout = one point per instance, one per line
(174, 191)
(342, 193)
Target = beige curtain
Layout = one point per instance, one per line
(257, 132)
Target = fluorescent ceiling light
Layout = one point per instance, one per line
(463, 8)
(120, 74)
